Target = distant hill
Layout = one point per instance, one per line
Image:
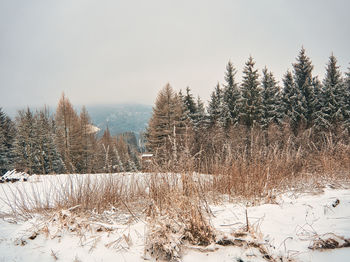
(120, 118)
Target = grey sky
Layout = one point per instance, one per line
(126, 51)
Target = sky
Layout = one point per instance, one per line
(106, 52)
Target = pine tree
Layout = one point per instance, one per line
(303, 82)
(270, 100)
(7, 135)
(231, 98)
(251, 101)
(215, 107)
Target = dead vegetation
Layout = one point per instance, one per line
(175, 207)
(329, 241)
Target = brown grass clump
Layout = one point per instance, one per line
(176, 217)
(96, 193)
(329, 241)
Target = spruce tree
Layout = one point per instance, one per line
(231, 98)
(215, 107)
(287, 92)
(251, 101)
(200, 117)
(7, 135)
(25, 147)
(303, 82)
(270, 100)
(346, 109)
(119, 163)
(330, 113)
(318, 118)
(190, 105)
(47, 154)
(293, 103)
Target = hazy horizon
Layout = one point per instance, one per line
(114, 52)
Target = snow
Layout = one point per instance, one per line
(14, 175)
(93, 129)
(285, 227)
(290, 225)
(69, 247)
(146, 155)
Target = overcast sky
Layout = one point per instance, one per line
(126, 51)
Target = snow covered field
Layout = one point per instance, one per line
(287, 228)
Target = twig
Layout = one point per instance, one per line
(72, 208)
(246, 219)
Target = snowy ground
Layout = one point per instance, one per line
(287, 227)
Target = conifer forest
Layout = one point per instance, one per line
(303, 114)
(260, 172)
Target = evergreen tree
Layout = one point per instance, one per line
(49, 160)
(7, 135)
(270, 100)
(318, 119)
(287, 92)
(119, 163)
(190, 105)
(215, 107)
(303, 82)
(332, 102)
(231, 98)
(251, 101)
(25, 146)
(292, 103)
(346, 109)
(200, 117)
(133, 163)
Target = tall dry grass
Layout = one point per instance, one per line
(238, 164)
(259, 163)
(254, 164)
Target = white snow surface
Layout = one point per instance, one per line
(289, 226)
(13, 174)
(286, 227)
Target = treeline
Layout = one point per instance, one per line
(257, 112)
(41, 143)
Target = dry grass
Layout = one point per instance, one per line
(175, 206)
(86, 192)
(262, 164)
